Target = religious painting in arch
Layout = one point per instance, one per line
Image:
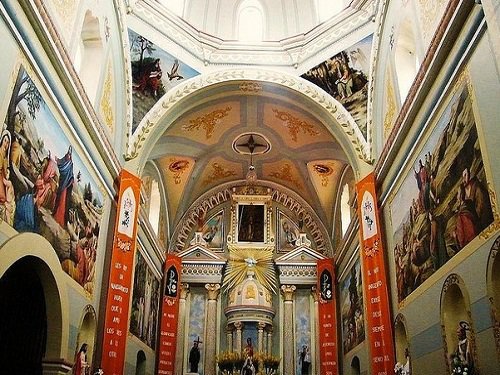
(345, 77)
(213, 231)
(288, 232)
(154, 72)
(145, 303)
(251, 222)
(443, 202)
(351, 308)
(45, 187)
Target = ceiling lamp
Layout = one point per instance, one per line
(251, 144)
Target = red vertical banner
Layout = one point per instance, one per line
(120, 275)
(169, 316)
(374, 280)
(327, 318)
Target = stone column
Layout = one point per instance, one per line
(211, 328)
(260, 337)
(237, 344)
(179, 351)
(315, 339)
(288, 329)
(229, 338)
(270, 341)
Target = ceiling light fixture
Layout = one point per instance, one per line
(251, 144)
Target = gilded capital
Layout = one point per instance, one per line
(184, 290)
(261, 326)
(287, 291)
(213, 291)
(238, 325)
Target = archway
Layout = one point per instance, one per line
(140, 365)
(355, 366)
(23, 318)
(401, 341)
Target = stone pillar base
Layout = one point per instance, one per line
(57, 366)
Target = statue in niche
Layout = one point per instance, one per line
(462, 361)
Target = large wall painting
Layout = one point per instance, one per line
(351, 308)
(45, 187)
(145, 303)
(154, 72)
(345, 77)
(443, 202)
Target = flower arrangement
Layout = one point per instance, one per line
(230, 362)
(270, 364)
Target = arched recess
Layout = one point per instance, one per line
(155, 206)
(87, 332)
(401, 341)
(493, 288)
(89, 54)
(355, 366)
(140, 364)
(405, 57)
(456, 322)
(250, 21)
(37, 255)
(344, 203)
(336, 118)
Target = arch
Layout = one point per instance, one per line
(44, 261)
(456, 322)
(355, 366)
(402, 344)
(140, 364)
(493, 290)
(87, 332)
(89, 54)
(340, 123)
(405, 57)
(250, 21)
(344, 202)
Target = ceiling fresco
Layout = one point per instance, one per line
(196, 151)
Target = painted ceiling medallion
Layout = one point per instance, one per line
(324, 171)
(218, 173)
(207, 121)
(178, 167)
(251, 144)
(295, 125)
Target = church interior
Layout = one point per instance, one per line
(274, 187)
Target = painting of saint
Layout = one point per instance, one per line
(45, 187)
(154, 72)
(213, 231)
(445, 195)
(288, 233)
(351, 299)
(251, 223)
(145, 303)
(345, 77)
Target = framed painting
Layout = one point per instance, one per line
(251, 223)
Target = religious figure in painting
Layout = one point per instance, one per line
(66, 181)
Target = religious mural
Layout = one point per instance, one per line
(213, 231)
(45, 187)
(443, 203)
(303, 330)
(251, 222)
(345, 77)
(154, 72)
(288, 233)
(196, 330)
(145, 303)
(351, 300)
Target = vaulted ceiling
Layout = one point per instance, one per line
(195, 152)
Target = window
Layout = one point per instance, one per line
(345, 209)
(250, 22)
(154, 206)
(405, 59)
